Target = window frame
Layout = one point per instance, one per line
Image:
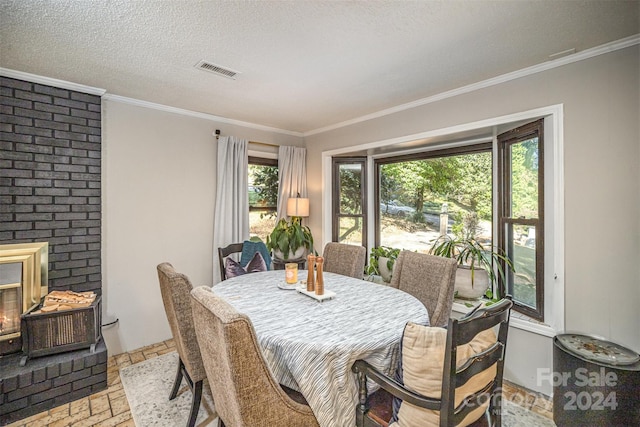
(262, 161)
(463, 134)
(505, 141)
(335, 196)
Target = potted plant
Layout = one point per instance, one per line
(290, 240)
(476, 261)
(381, 262)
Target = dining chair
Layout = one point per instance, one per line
(344, 259)
(244, 389)
(175, 289)
(430, 279)
(247, 249)
(446, 377)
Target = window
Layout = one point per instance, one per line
(424, 195)
(521, 218)
(349, 200)
(526, 151)
(263, 196)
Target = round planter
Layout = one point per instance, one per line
(384, 270)
(463, 282)
(299, 253)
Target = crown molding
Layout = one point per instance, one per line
(63, 84)
(205, 116)
(576, 57)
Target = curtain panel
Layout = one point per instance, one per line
(292, 175)
(231, 218)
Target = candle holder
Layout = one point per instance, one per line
(291, 272)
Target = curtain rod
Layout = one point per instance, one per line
(217, 133)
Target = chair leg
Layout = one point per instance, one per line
(195, 404)
(177, 382)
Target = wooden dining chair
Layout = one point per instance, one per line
(344, 259)
(447, 377)
(175, 289)
(248, 250)
(244, 389)
(430, 279)
(234, 248)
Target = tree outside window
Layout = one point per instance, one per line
(263, 196)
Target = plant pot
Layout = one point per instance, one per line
(299, 253)
(384, 270)
(463, 282)
(375, 279)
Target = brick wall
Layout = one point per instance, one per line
(50, 146)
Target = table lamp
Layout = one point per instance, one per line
(297, 207)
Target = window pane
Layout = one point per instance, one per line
(263, 198)
(522, 252)
(348, 200)
(351, 188)
(350, 231)
(524, 179)
(448, 194)
(263, 186)
(261, 223)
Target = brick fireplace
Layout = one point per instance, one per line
(50, 178)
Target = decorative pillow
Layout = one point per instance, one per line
(233, 268)
(249, 248)
(423, 350)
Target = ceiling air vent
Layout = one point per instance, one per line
(216, 69)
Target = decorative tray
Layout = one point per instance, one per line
(327, 294)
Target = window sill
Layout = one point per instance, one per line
(517, 320)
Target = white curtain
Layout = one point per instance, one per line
(231, 219)
(292, 176)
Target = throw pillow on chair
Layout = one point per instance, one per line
(233, 268)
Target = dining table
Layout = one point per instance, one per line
(311, 345)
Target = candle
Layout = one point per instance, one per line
(291, 272)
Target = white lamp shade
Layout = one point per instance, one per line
(298, 206)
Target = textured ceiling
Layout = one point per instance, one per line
(303, 65)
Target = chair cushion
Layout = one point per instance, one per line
(249, 249)
(423, 351)
(233, 268)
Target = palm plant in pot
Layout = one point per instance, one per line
(477, 263)
(290, 240)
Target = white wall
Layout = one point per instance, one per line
(601, 99)
(159, 180)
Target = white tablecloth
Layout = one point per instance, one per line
(310, 346)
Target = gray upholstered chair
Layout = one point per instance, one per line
(244, 390)
(430, 279)
(176, 296)
(344, 259)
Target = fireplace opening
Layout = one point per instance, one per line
(23, 281)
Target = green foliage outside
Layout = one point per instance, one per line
(263, 188)
(462, 181)
(350, 200)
